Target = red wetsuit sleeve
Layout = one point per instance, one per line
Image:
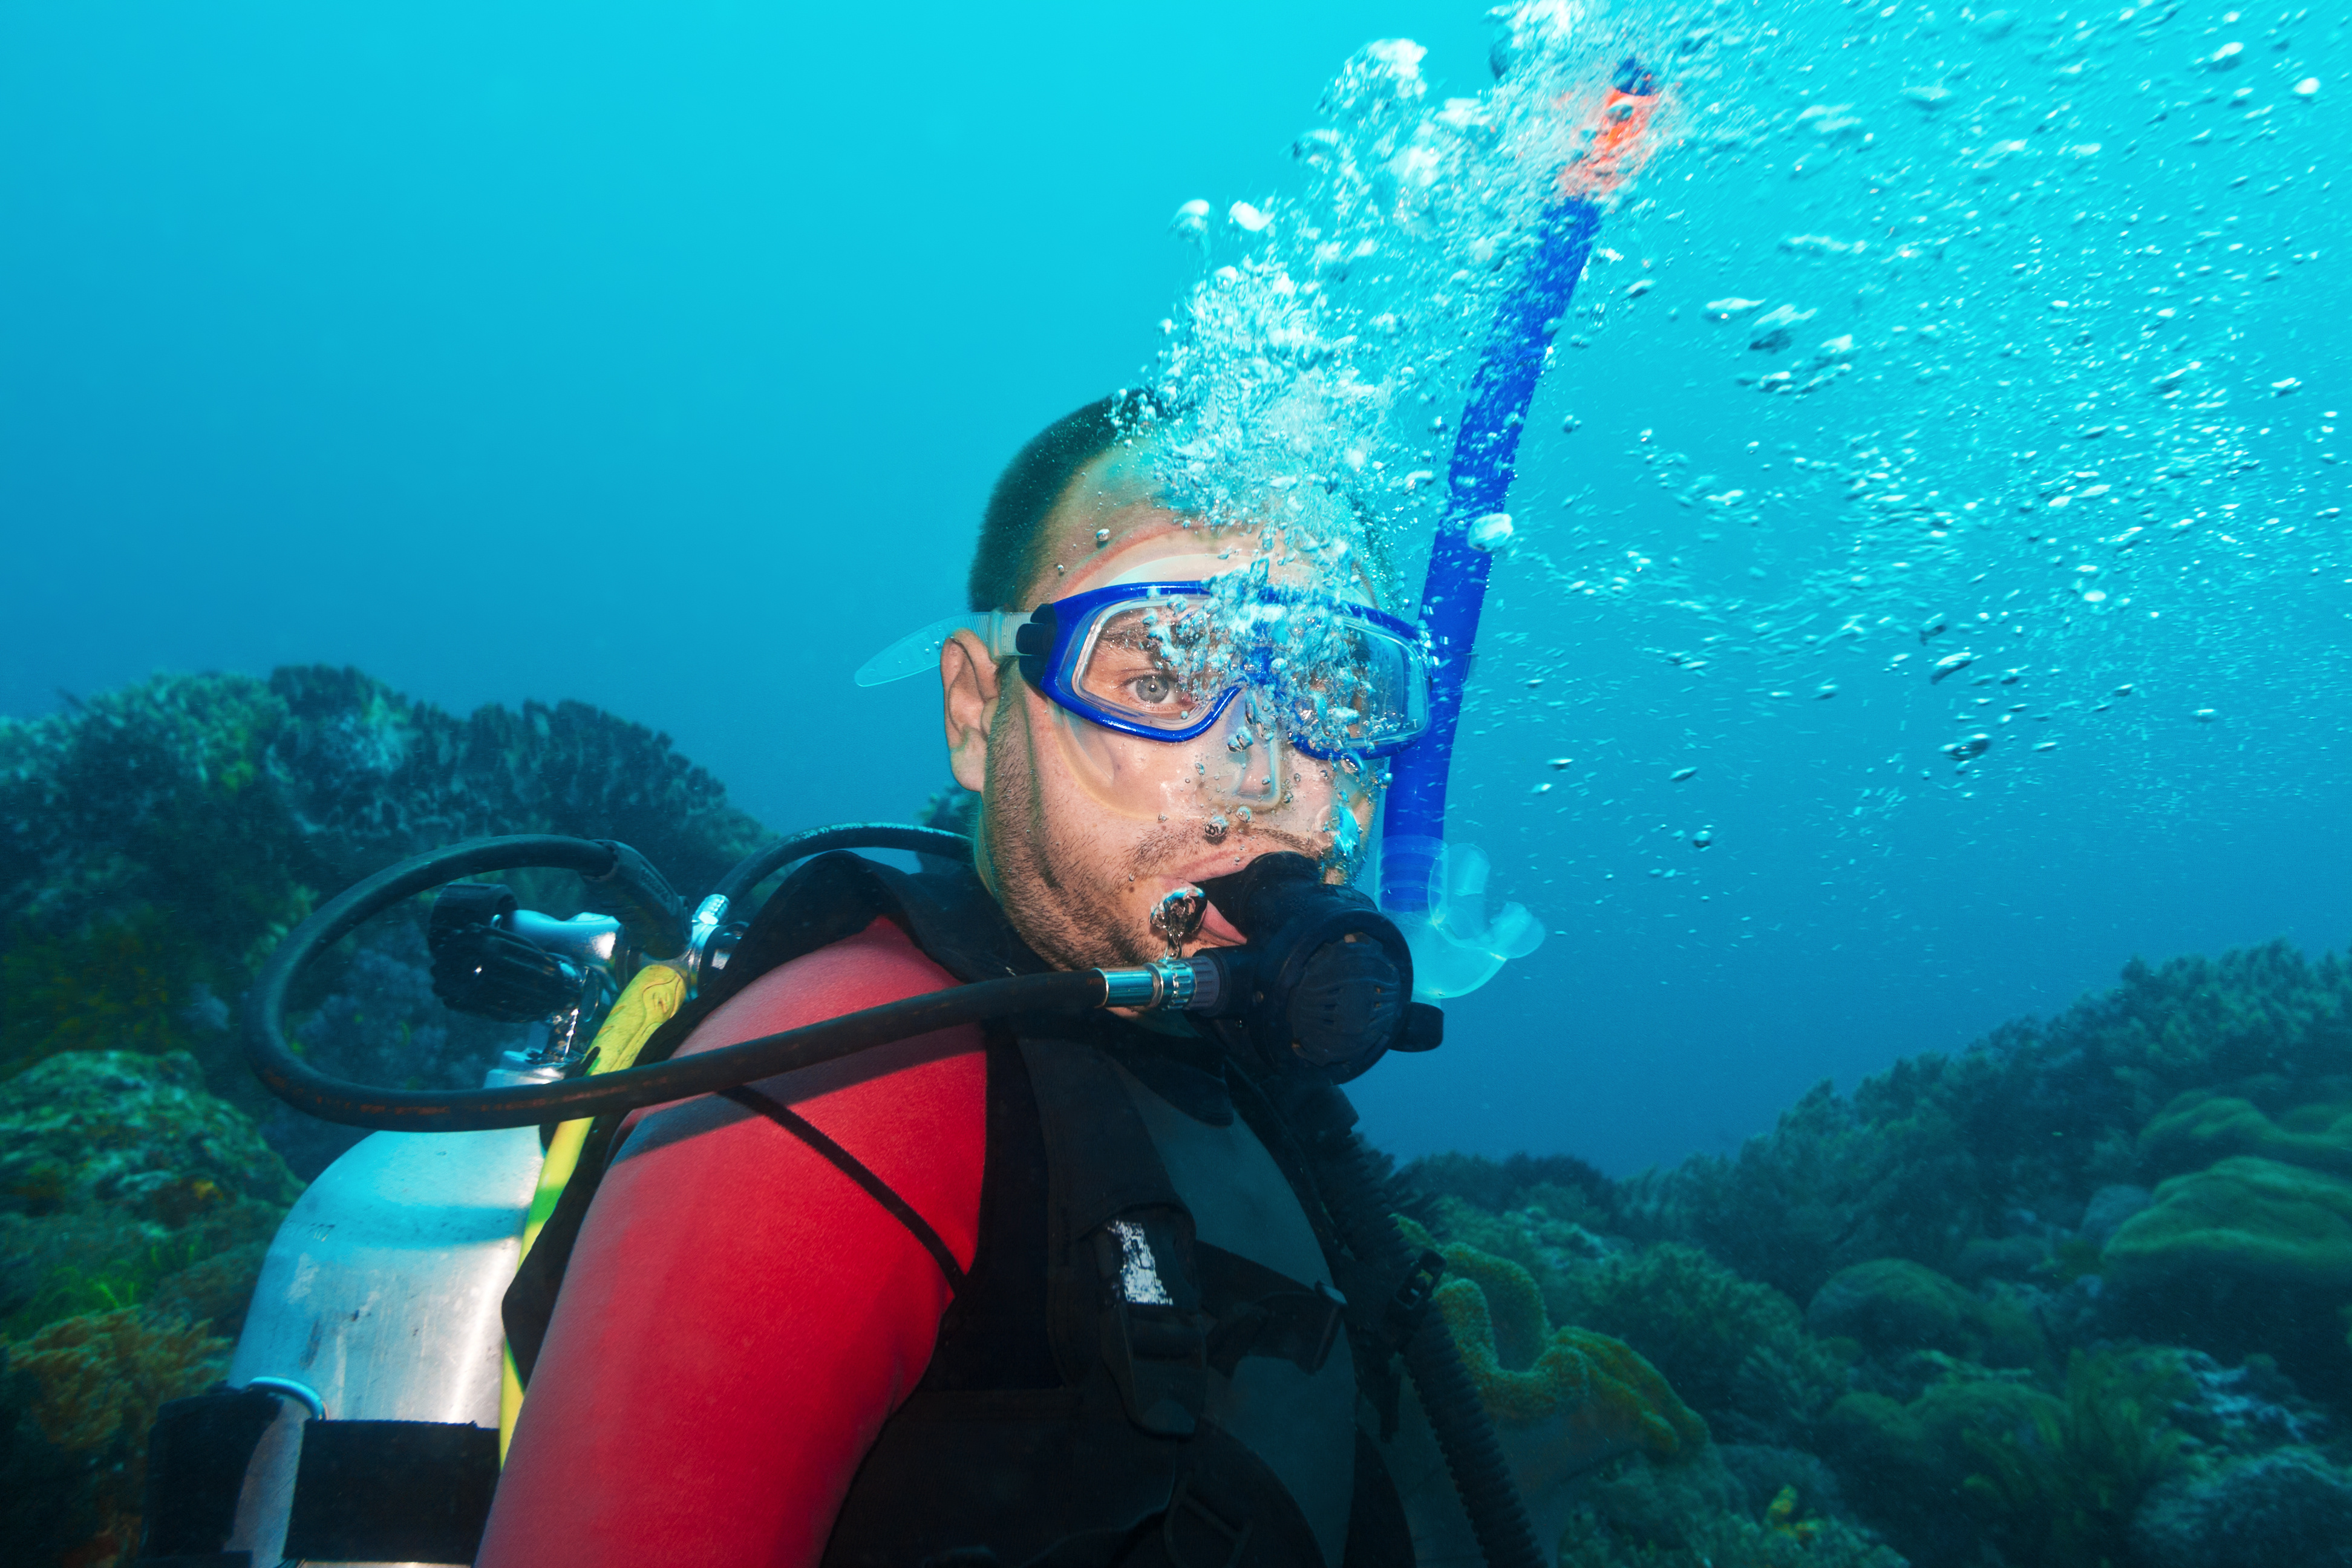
(739, 1317)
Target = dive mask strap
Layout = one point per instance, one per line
(917, 653)
(1033, 639)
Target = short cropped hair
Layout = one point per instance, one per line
(1011, 554)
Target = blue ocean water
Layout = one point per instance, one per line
(663, 361)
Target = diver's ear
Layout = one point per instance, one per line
(969, 687)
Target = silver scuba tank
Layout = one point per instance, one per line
(379, 1300)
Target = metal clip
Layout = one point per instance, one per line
(1177, 917)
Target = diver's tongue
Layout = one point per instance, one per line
(1219, 931)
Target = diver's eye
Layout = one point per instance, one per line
(1153, 690)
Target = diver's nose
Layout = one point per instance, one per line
(1256, 753)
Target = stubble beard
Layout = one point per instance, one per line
(1061, 883)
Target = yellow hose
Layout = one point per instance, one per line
(649, 1001)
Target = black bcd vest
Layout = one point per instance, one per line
(1147, 1363)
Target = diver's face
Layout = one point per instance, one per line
(1084, 830)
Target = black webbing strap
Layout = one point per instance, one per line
(196, 1460)
(849, 1166)
(391, 1491)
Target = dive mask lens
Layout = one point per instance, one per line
(1366, 690)
(1164, 660)
(1155, 665)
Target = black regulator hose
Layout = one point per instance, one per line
(761, 864)
(1320, 1115)
(330, 1099)
(1474, 1457)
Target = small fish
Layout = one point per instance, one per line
(1951, 664)
(1683, 773)
(1932, 626)
(1974, 746)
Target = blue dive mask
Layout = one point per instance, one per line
(1164, 661)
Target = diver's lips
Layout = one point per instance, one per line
(1216, 931)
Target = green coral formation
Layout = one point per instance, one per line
(2048, 1478)
(2245, 1220)
(1940, 1152)
(1894, 1304)
(1731, 1345)
(2201, 1128)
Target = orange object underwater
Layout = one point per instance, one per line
(1619, 132)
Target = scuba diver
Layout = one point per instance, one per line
(1005, 1214)
(1051, 1289)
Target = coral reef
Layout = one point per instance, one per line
(1894, 1305)
(138, 1131)
(2063, 1489)
(2244, 1219)
(2202, 1127)
(1699, 1516)
(2008, 1139)
(123, 1184)
(2078, 1295)
(1737, 1350)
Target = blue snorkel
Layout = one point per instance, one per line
(1433, 894)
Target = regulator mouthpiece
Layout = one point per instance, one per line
(1327, 978)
